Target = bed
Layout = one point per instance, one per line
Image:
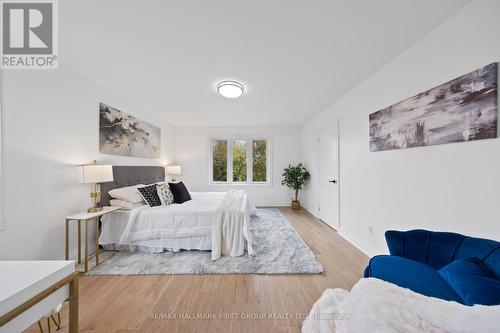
(187, 226)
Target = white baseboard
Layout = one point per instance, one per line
(355, 244)
(339, 232)
(273, 205)
(308, 208)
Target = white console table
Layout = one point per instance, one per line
(85, 216)
(31, 289)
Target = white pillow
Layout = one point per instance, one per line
(126, 205)
(165, 194)
(128, 193)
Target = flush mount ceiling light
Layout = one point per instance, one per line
(230, 89)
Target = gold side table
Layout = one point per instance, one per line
(86, 217)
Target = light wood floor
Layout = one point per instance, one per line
(125, 304)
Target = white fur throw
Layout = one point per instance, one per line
(230, 226)
(377, 306)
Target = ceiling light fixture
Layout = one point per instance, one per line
(230, 89)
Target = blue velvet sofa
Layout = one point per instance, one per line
(445, 265)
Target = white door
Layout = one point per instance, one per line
(329, 184)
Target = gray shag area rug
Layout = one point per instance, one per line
(279, 250)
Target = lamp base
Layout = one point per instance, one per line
(94, 209)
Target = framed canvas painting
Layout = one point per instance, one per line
(123, 134)
(463, 109)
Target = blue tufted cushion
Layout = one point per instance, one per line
(475, 247)
(442, 246)
(438, 249)
(411, 274)
(472, 281)
(415, 245)
(416, 255)
(492, 262)
(435, 249)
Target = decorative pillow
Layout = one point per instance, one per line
(472, 281)
(492, 262)
(180, 192)
(126, 205)
(150, 195)
(165, 194)
(128, 193)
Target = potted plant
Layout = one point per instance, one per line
(295, 177)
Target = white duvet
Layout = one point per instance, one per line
(174, 227)
(377, 306)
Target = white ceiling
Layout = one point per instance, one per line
(294, 57)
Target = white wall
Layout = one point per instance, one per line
(453, 187)
(191, 151)
(51, 125)
(2, 131)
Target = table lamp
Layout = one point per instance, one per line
(174, 170)
(95, 174)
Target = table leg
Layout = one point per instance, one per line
(97, 242)
(79, 243)
(73, 305)
(86, 246)
(67, 239)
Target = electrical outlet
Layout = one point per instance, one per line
(370, 230)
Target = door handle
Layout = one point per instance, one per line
(332, 181)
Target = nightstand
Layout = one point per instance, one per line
(86, 217)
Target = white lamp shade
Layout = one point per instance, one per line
(94, 174)
(174, 169)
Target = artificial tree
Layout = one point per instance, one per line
(295, 177)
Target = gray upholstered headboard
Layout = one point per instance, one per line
(131, 175)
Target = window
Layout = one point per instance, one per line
(239, 160)
(259, 158)
(219, 160)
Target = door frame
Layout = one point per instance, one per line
(332, 123)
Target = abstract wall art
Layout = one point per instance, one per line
(463, 109)
(123, 134)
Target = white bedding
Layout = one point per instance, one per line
(155, 229)
(377, 306)
(231, 226)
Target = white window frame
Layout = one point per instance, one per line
(230, 139)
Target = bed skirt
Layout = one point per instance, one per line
(203, 243)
